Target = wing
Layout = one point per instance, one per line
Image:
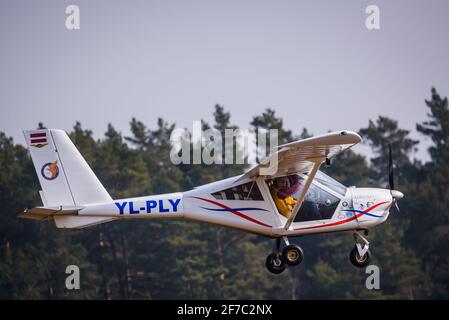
(300, 156)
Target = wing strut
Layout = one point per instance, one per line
(311, 176)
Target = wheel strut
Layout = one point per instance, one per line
(286, 240)
(358, 236)
(278, 247)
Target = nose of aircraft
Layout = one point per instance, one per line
(397, 194)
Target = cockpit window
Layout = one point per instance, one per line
(247, 191)
(331, 183)
(318, 204)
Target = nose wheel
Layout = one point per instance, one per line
(291, 255)
(360, 256)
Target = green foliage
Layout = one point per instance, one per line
(381, 133)
(160, 259)
(269, 120)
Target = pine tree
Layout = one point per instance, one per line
(430, 227)
(388, 239)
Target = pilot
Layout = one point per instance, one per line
(282, 190)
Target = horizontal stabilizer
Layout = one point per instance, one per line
(42, 213)
(64, 216)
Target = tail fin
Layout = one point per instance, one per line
(65, 177)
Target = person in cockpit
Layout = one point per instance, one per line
(282, 190)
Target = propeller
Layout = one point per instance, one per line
(390, 168)
(395, 194)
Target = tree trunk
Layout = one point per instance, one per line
(117, 268)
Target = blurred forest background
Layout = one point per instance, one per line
(158, 259)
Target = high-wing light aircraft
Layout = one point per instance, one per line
(297, 200)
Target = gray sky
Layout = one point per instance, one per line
(314, 62)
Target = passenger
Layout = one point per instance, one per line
(282, 190)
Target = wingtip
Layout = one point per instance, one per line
(355, 135)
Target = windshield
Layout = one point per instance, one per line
(318, 204)
(331, 183)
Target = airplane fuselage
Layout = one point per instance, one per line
(359, 208)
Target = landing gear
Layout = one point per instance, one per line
(275, 264)
(291, 255)
(360, 256)
(357, 260)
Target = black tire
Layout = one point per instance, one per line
(275, 264)
(358, 261)
(292, 255)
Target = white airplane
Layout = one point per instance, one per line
(297, 200)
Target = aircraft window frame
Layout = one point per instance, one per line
(314, 206)
(329, 183)
(237, 193)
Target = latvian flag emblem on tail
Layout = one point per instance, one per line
(38, 140)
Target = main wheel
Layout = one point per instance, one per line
(275, 264)
(292, 254)
(359, 261)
